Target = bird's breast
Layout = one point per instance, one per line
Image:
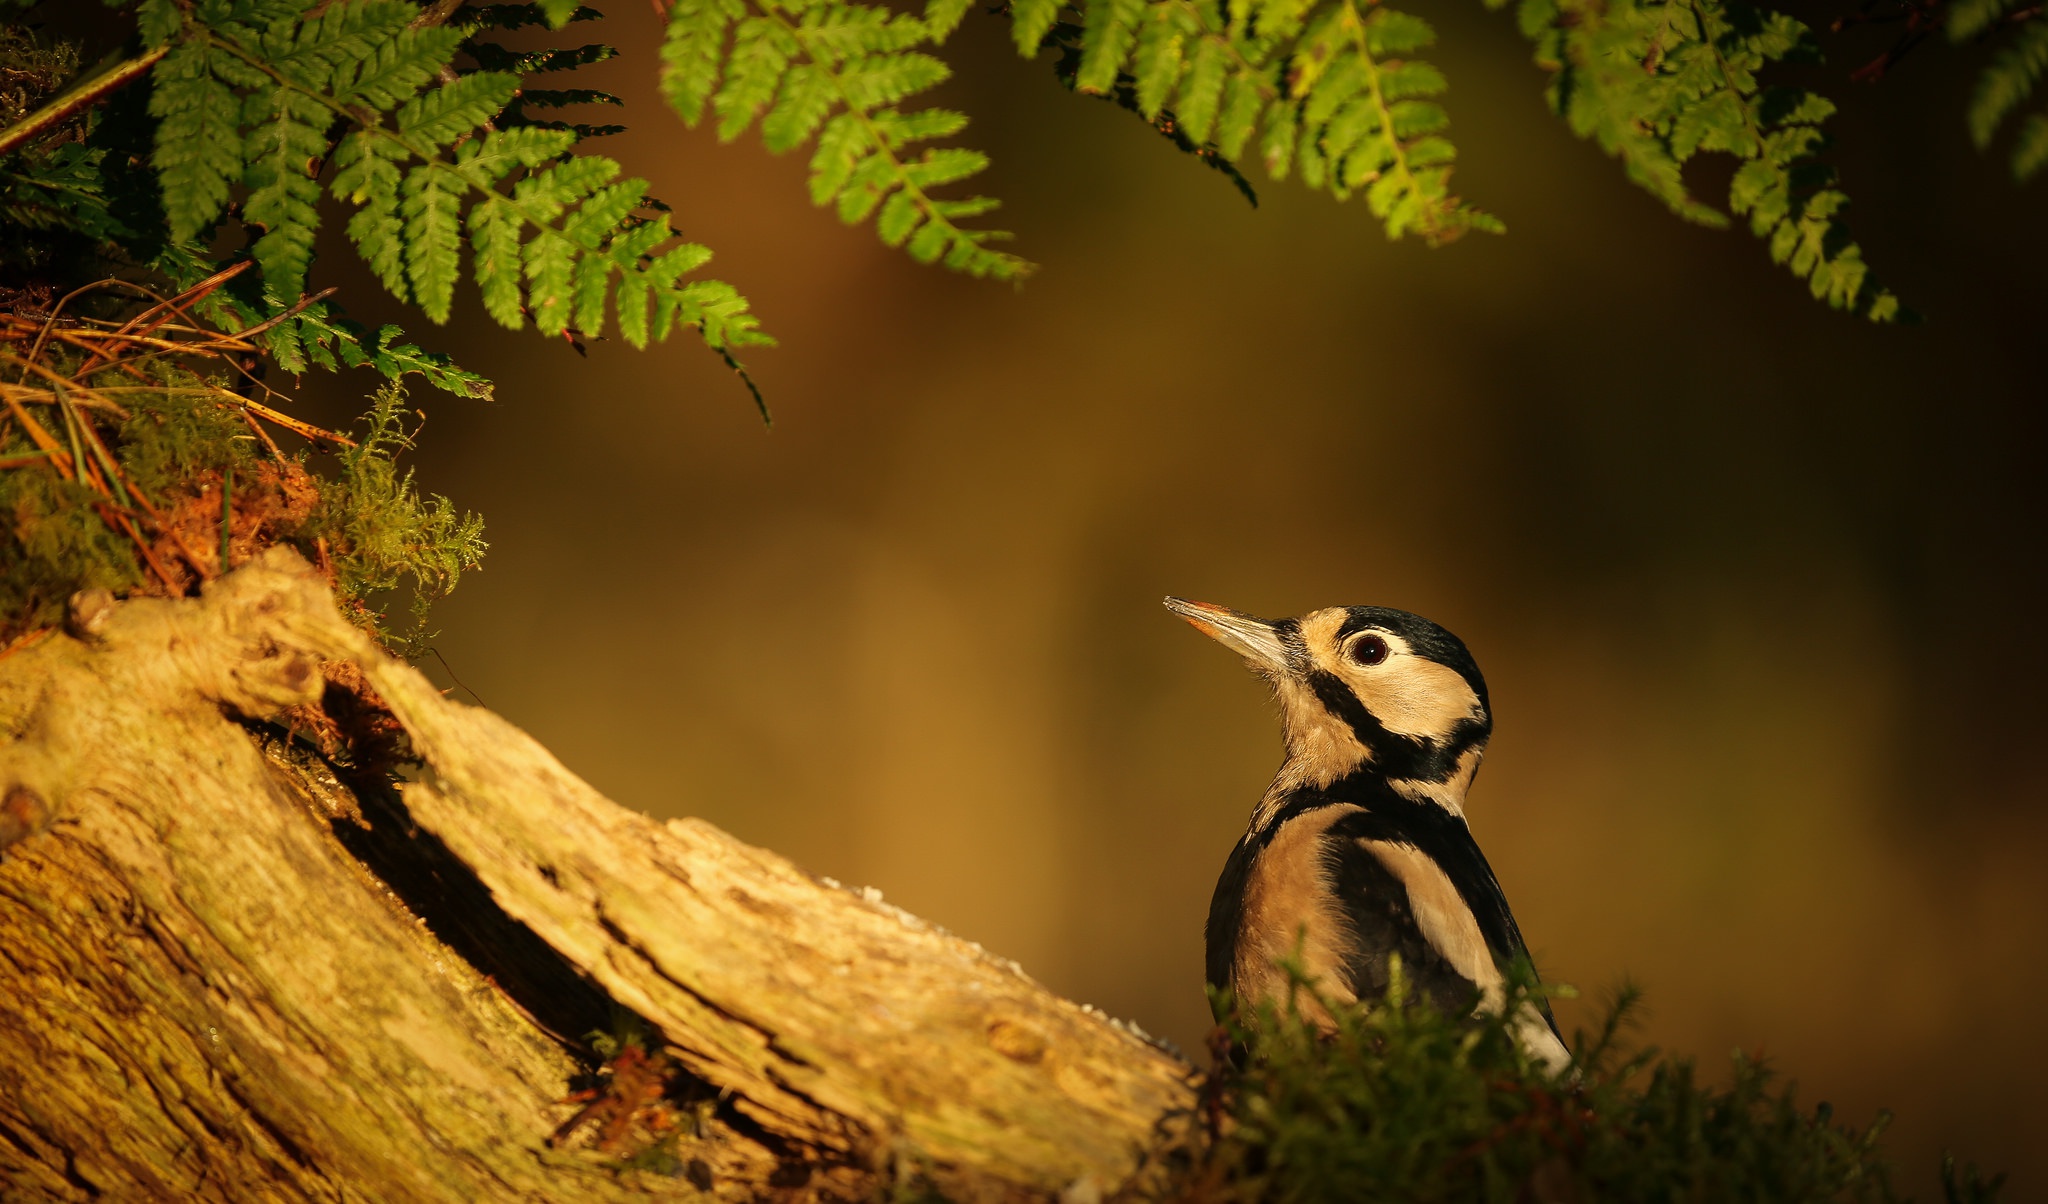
(1276, 904)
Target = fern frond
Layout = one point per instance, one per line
(2007, 81)
(1969, 18)
(1176, 128)
(198, 138)
(837, 74)
(1329, 82)
(286, 141)
(2030, 149)
(251, 93)
(1656, 82)
(355, 347)
(430, 206)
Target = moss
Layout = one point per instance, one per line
(55, 544)
(382, 533)
(31, 71)
(208, 489)
(1402, 1103)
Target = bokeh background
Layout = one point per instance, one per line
(1758, 588)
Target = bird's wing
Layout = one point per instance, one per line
(1416, 884)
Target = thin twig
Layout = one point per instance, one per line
(177, 305)
(27, 639)
(82, 97)
(262, 434)
(297, 308)
(303, 429)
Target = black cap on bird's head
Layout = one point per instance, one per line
(1364, 686)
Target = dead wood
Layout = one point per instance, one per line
(231, 969)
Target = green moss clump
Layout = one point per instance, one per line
(1403, 1103)
(207, 492)
(55, 544)
(382, 533)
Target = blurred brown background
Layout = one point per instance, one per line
(1758, 588)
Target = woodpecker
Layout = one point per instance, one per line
(1359, 850)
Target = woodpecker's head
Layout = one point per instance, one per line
(1364, 688)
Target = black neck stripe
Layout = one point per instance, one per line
(1396, 756)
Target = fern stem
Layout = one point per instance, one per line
(82, 97)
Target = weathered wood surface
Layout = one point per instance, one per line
(212, 989)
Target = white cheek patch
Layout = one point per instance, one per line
(1412, 696)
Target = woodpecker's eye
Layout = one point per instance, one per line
(1368, 650)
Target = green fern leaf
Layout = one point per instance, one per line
(841, 148)
(158, 21)
(1157, 63)
(836, 72)
(2007, 82)
(555, 236)
(367, 175)
(396, 69)
(693, 53)
(430, 206)
(1328, 81)
(285, 144)
(602, 213)
(2030, 150)
(557, 12)
(942, 17)
(494, 249)
(629, 301)
(503, 151)
(1657, 82)
(593, 285)
(899, 216)
(875, 81)
(328, 49)
(1969, 18)
(1201, 92)
(545, 195)
(1031, 21)
(1109, 34)
(198, 138)
(761, 50)
(808, 95)
(716, 309)
(454, 109)
(550, 270)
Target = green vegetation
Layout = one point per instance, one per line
(1399, 1102)
(197, 165)
(2008, 81)
(160, 215)
(176, 486)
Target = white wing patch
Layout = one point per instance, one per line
(1453, 931)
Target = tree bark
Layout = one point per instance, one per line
(231, 969)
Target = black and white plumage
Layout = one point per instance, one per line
(1359, 849)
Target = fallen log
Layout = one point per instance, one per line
(233, 968)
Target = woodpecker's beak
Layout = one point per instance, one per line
(1255, 640)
